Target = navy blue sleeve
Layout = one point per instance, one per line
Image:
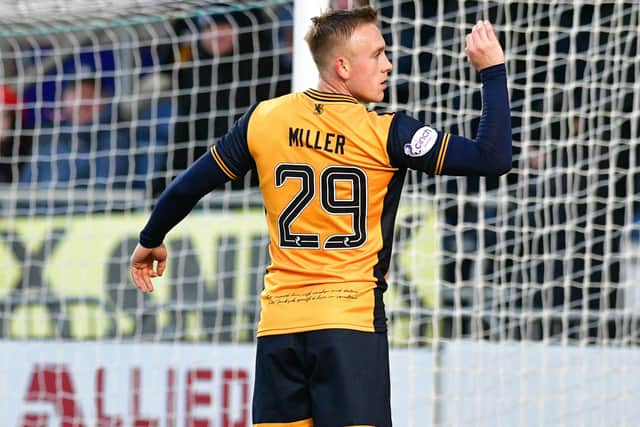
(416, 146)
(179, 198)
(228, 159)
(232, 150)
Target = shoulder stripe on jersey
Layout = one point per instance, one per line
(329, 97)
(442, 154)
(221, 163)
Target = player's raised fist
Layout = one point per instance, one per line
(483, 48)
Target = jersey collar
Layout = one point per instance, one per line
(316, 95)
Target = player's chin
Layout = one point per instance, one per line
(377, 97)
(372, 96)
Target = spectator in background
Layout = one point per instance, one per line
(81, 149)
(15, 145)
(228, 68)
(150, 134)
(41, 97)
(284, 25)
(147, 117)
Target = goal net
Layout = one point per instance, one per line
(512, 300)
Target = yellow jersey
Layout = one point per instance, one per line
(331, 174)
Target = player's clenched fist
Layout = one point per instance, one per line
(483, 48)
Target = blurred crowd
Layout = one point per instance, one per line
(82, 126)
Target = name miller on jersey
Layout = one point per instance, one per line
(329, 142)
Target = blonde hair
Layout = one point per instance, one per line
(335, 27)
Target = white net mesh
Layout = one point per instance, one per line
(512, 301)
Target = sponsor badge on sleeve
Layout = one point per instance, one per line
(423, 140)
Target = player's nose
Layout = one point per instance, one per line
(387, 65)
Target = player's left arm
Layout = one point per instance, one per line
(413, 145)
(490, 153)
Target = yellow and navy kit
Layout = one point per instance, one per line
(331, 174)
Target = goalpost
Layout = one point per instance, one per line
(512, 301)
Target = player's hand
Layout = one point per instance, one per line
(147, 263)
(483, 48)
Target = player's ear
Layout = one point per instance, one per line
(342, 67)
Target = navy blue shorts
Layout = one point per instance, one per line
(324, 378)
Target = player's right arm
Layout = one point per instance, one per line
(148, 259)
(228, 159)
